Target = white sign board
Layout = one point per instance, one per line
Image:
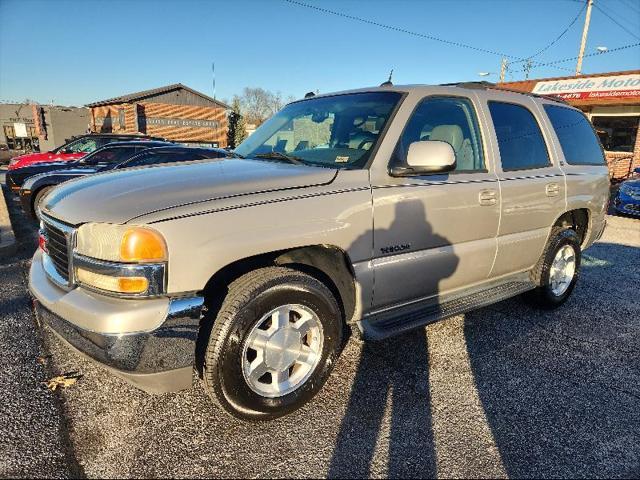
(20, 130)
(616, 86)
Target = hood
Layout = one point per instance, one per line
(34, 181)
(122, 195)
(38, 157)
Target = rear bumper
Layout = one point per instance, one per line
(157, 359)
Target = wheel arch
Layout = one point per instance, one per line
(328, 263)
(579, 219)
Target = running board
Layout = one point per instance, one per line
(378, 326)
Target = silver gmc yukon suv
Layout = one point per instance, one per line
(374, 211)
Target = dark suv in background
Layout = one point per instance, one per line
(75, 148)
(114, 156)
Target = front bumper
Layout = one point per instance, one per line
(157, 357)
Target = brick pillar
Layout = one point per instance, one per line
(636, 148)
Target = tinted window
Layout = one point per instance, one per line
(109, 155)
(519, 137)
(450, 120)
(154, 158)
(577, 138)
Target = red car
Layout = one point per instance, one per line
(74, 149)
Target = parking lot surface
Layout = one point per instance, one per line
(505, 391)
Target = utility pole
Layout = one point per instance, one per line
(503, 68)
(585, 31)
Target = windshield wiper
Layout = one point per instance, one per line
(281, 156)
(234, 155)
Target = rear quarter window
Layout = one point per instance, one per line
(520, 140)
(578, 140)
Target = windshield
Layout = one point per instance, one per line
(338, 132)
(81, 145)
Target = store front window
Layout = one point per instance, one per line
(617, 134)
(15, 141)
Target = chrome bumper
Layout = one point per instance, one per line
(157, 356)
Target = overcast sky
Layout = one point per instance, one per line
(75, 52)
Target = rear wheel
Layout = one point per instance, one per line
(274, 342)
(556, 273)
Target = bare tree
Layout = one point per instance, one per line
(259, 104)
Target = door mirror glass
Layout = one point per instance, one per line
(425, 157)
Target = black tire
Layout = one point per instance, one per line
(37, 199)
(250, 297)
(543, 295)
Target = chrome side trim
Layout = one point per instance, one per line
(155, 273)
(185, 308)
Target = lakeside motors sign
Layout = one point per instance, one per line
(619, 86)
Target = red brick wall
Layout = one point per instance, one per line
(622, 164)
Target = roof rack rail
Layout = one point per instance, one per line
(495, 86)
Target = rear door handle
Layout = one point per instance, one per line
(488, 198)
(552, 189)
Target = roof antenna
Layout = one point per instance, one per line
(388, 83)
(309, 95)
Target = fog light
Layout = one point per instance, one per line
(131, 285)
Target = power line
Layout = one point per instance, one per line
(401, 30)
(611, 50)
(552, 64)
(553, 42)
(616, 22)
(624, 17)
(630, 5)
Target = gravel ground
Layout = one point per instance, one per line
(502, 391)
(33, 435)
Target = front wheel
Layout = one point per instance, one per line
(273, 345)
(556, 273)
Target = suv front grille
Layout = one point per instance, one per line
(57, 249)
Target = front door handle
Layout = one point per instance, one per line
(488, 198)
(552, 189)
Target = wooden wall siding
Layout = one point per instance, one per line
(180, 97)
(163, 110)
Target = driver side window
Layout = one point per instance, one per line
(447, 119)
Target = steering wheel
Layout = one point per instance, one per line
(367, 140)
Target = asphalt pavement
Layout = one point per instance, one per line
(505, 391)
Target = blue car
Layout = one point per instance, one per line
(627, 200)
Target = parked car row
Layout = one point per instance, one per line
(34, 181)
(74, 149)
(377, 210)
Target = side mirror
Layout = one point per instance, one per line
(637, 170)
(425, 157)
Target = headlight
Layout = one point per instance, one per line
(122, 259)
(121, 243)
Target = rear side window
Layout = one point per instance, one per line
(519, 137)
(577, 138)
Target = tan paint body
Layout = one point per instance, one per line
(217, 213)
